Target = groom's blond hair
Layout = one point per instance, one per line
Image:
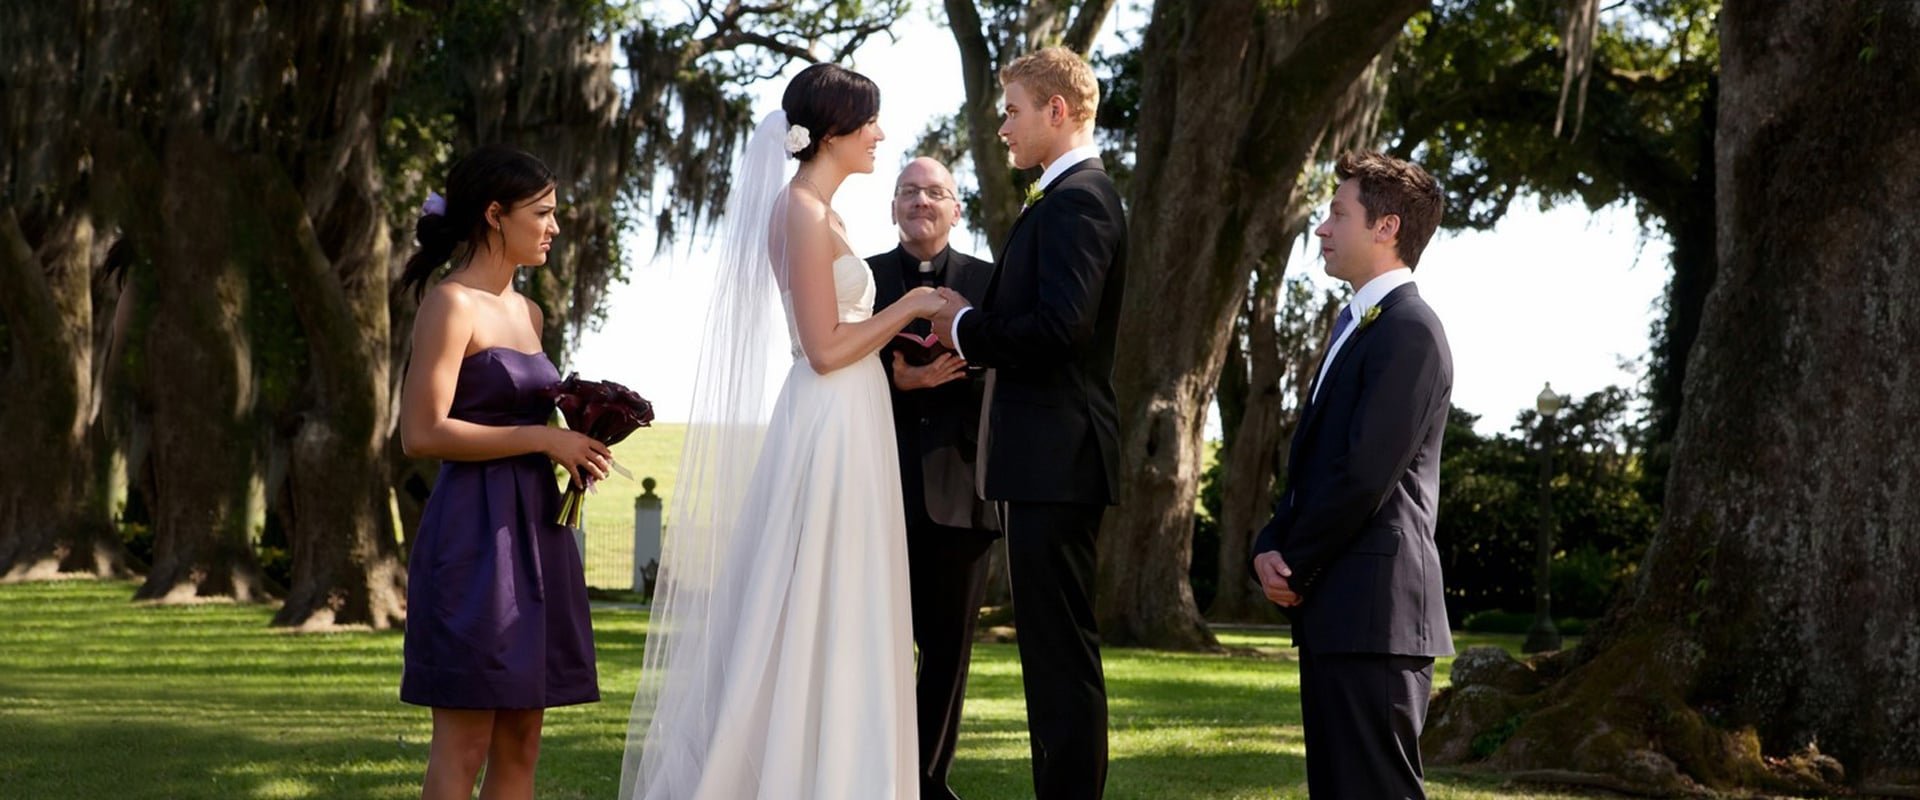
(1057, 71)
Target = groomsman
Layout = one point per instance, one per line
(936, 416)
(1349, 552)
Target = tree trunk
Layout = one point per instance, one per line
(198, 365)
(979, 75)
(328, 216)
(1285, 359)
(346, 564)
(266, 255)
(56, 508)
(274, 302)
(1238, 100)
(1689, 223)
(1248, 447)
(56, 515)
(1776, 624)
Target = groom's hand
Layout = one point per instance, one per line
(1273, 572)
(943, 319)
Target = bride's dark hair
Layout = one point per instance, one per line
(829, 100)
(494, 173)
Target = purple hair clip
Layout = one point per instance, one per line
(436, 206)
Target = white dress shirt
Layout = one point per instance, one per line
(1363, 301)
(1053, 172)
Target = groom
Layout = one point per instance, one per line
(1049, 434)
(1349, 553)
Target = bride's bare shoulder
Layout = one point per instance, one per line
(805, 208)
(807, 220)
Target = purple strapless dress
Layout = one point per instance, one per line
(497, 612)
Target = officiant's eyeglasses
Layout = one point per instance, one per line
(933, 193)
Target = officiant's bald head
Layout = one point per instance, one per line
(926, 206)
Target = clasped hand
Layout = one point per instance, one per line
(1273, 572)
(952, 304)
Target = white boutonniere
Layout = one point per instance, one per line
(1367, 317)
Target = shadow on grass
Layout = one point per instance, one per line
(1148, 776)
(153, 759)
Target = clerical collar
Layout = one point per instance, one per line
(934, 266)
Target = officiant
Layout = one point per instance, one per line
(936, 418)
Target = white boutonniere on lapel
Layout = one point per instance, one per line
(1033, 195)
(1368, 316)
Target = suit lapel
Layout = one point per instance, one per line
(1346, 354)
(1006, 252)
(993, 283)
(1089, 164)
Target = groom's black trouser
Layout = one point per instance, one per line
(1363, 714)
(1050, 559)
(947, 570)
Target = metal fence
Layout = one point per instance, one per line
(623, 555)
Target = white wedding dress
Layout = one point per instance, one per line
(808, 688)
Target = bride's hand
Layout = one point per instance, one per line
(924, 301)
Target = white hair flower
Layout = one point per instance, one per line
(797, 139)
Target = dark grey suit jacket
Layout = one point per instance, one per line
(1363, 479)
(936, 429)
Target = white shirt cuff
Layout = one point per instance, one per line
(956, 332)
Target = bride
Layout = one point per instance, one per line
(779, 657)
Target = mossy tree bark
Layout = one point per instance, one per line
(1773, 639)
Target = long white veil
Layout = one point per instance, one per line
(681, 673)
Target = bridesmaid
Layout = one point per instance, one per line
(497, 624)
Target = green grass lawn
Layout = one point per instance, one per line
(102, 698)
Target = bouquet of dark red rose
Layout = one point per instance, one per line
(603, 410)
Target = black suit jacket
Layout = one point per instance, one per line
(936, 429)
(1047, 329)
(1363, 480)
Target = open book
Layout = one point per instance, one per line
(918, 350)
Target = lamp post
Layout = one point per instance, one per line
(1543, 636)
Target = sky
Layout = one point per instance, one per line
(1565, 295)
